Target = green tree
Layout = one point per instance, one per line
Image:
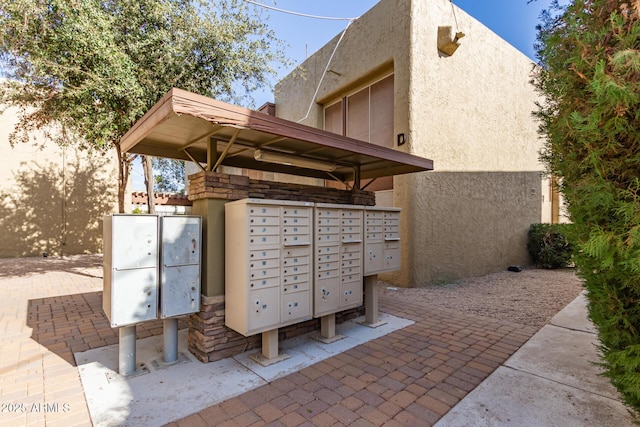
(94, 67)
(589, 75)
(168, 175)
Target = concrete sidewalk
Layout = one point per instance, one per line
(550, 381)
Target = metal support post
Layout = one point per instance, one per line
(328, 326)
(127, 350)
(269, 354)
(371, 318)
(371, 299)
(270, 344)
(170, 336)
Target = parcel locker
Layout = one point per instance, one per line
(382, 240)
(268, 264)
(338, 251)
(131, 264)
(181, 253)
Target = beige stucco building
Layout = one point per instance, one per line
(52, 198)
(385, 81)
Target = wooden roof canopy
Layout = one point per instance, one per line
(184, 125)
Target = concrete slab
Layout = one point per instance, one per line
(304, 351)
(513, 398)
(566, 356)
(178, 390)
(574, 316)
(190, 386)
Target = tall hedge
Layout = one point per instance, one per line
(589, 76)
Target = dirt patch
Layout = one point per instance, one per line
(530, 297)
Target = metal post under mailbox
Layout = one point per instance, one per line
(130, 287)
(181, 254)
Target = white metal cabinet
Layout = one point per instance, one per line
(180, 266)
(268, 264)
(131, 260)
(382, 240)
(338, 252)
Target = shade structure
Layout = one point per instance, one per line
(187, 126)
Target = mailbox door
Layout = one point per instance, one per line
(135, 241)
(374, 258)
(134, 296)
(295, 306)
(180, 290)
(392, 256)
(326, 297)
(264, 309)
(352, 293)
(180, 240)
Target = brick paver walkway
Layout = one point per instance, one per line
(410, 377)
(51, 308)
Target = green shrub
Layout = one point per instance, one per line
(589, 76)
(548, 245)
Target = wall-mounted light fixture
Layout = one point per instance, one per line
(445, 44)
(401, 139)
(289, 160)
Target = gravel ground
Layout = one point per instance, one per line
(530, 297)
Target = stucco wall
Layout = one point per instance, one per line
(470, 113)
(466, 224)
(52, 199)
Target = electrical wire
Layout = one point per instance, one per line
(453, 10)
(306, 15)
(324, 73)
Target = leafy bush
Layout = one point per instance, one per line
(589, 75)
(548, 245)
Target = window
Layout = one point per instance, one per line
(366, 115)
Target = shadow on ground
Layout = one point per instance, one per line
(85, 265)
(67, 324)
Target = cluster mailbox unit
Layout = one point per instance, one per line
(382, 240)
(286, 262)
(268, 262)
(338, 267)
(180, 266)
(151, 271)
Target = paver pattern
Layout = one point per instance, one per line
(51, 309)
(409, 377)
